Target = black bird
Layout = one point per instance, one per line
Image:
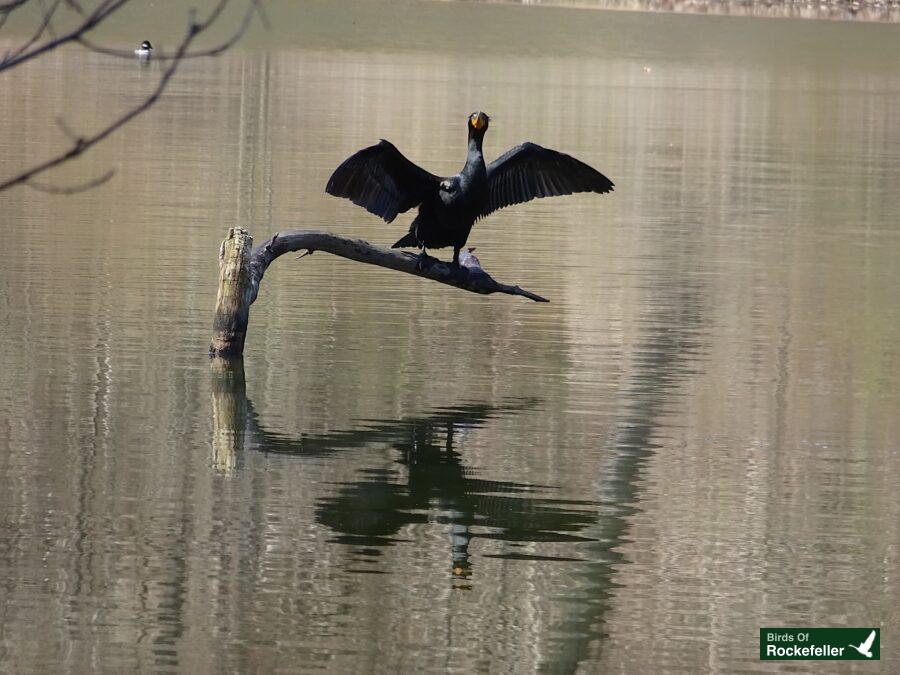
(384, 182)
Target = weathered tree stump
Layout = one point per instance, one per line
(241, 271)
(234, 297)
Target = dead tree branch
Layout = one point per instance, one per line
(72, 189)
(90, 21)
(7, 8)
(82, 143)
(242, 267)
(254, 7)
(473, 279)
(43, 27)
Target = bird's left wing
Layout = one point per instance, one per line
(529, 171)
(381, 180)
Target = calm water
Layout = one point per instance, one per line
(699, 436)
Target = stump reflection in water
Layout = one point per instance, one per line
(229, 412)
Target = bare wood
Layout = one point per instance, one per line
(241, 271)
(235, 294)
(473, 279)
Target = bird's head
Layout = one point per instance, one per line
(478, 122)
(146, 45)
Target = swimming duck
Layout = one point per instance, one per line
(145, 50)
(384, 182)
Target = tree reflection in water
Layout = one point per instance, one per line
(430, 484)
(438, 487)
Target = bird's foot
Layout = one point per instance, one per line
(424, 261)
(454, 264)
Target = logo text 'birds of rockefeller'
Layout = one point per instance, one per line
(820, 644)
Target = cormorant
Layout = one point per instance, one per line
(384, 182)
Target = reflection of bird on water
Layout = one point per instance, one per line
(428, 482)
(384, 182)
(369, 512)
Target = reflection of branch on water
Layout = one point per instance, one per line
(666, 354)
(438, 487)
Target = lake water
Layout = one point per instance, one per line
(699, 435)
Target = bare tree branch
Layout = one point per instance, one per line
(8, 7)
(49, 16)
(71, 189)
(242, 267)
(253, 7)
(473, 279)
(66, 129)
(91, 21)
(82, 143)
(42, 27)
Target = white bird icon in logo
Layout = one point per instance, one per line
(864, 647)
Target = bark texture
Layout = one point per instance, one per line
(241, 271)
(235, 295)
(472, 278)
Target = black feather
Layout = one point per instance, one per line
(529, 171)
(381, 180)
(408, 240)
(384, 182)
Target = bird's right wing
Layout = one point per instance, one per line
(868, 643)
(381, 180)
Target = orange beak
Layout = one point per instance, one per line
(479, 120)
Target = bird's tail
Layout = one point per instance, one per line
(407, 241)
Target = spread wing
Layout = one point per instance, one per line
(529, 171)
(381, 180)
(868, 643)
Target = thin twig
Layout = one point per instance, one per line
(253, 6)
(263, 17)
(66, 129)
(103, 10)
(71, 189)
(42, 26)
(7, 7)
(82, 143)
